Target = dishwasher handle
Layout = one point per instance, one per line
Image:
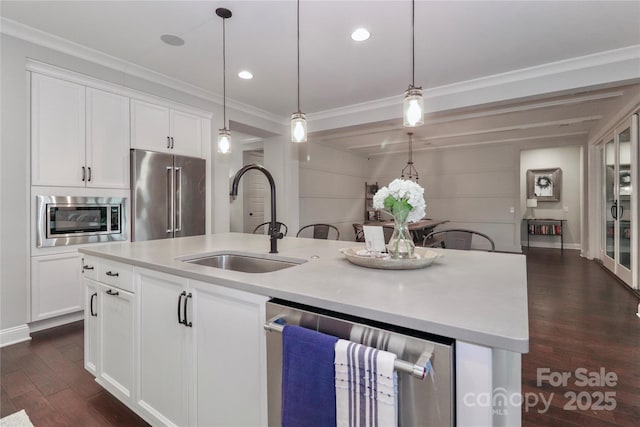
(417, 370)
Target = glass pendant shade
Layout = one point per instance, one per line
(298, 127)
(224, 141)
(413, 107)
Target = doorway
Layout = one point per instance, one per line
(619, 227)
(253, 192)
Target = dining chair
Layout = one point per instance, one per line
(359, 232)
(264, 228)
(320, 231)
(457, 238)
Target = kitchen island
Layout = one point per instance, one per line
(479, 299)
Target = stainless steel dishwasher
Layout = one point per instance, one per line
(422, 401)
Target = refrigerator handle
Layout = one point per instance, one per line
(171, 199)
(178, 203)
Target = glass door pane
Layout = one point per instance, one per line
(610, 198)
(625, 208)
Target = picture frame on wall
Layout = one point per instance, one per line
(544, 184)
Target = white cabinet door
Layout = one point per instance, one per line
(162, 359)
(228, 357)
(186, 131)
(107, 141)
(115, 347)
(57, 132)
(149, 126)
(90, 326)
(56, 285)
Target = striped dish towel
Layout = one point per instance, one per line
(366, 386)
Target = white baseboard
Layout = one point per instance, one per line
(56, 321)
(14, 335)
(552, 245)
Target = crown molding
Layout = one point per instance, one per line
(59, 44)
(522, 76)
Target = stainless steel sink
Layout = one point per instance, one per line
(244, 262)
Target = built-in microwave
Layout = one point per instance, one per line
(64, 220)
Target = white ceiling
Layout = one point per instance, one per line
(455, 42)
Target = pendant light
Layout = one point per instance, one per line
(413, 101)
(409, 170)
(224, 136)
(298, 119)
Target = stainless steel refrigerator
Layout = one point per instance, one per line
(167, 195)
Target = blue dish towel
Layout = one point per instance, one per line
(308, 378)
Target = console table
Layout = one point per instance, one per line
(546, 227)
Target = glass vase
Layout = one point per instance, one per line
(401, 244)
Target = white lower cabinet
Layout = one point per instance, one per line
(161, 366)
(115, 347)
(91, 326)
(227, 357)
(56, 285)
(109, 326)
(201, 357)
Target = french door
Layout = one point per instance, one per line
(619, 243)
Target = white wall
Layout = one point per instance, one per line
(472, 187)
(569, 160)
(331, 184)
(14, 169)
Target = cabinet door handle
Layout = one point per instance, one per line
(171, 142)
(114, 293)
(84, 174)
(88, 267)
(93, 313)
(180, 321)
(186, 322)
(109, 273)
(168, 142)
(89, 173)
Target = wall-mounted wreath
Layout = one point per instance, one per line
(544, 184)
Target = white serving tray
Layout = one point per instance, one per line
(423, 257)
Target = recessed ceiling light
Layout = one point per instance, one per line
(360, 35)
(172, 40)
(244, 74)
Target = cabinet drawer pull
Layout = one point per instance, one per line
(114, 293)
(180, 321)
(88, 267)
(84, 174)
(168, 142)
(109, 273)
(89, 173)
(93, 313)
(172, 142)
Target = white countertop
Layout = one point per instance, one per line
(473, 296)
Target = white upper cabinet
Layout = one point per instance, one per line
(158, 128)
(57, 132)
(186, 133)
(149, 126)
(107, 143)
(79, 135)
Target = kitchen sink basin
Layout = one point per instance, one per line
(244, 262)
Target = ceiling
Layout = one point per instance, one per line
(454, 42)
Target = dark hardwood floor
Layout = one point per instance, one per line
(46, 378)
(580, 317)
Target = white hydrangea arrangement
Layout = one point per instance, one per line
(400, 197)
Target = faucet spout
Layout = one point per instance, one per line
(274, 232)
